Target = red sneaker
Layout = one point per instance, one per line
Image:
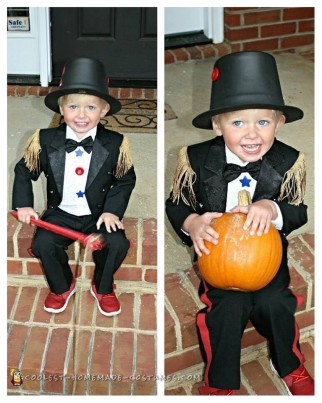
(207, 390)
(56, 303)
(299, 382)
(107, 304)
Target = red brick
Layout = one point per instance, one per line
(305, 319)
(14, 266)
(24, 240)
(278, 29)
(207, 51)
(85, 308)
(101, 362)
(306, 26)
(78, 364)
(298, 13)
(262, 17)
(168, 57)
(170, 339)
(232, 20)
(301, 254)
(258, 379)
(241, 34)
(184, 307)
(268, 44)
(251, 338)
(25, 304)
(16, 342)
(40, 315)
(34, 267)
(150, 93)
(147, 312)
(33, 357)
(298, 286)
(194, 52)
(128, 274)
(145, 365)
(181, 55)
(308, 352)
(176, 391)
(308, 238)
(123, 363)
(55, 361)
(149, 244)
(151, 275)
(297, 40)
(126, 318)
(11, 297)
(182, 361)
(131, 229)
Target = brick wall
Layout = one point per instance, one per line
(268, 29)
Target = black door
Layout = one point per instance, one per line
(123, 38)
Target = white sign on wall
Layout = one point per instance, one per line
(18, 24)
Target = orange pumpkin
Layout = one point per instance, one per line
(240, 261)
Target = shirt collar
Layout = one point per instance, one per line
(233, 159)
(70, 134)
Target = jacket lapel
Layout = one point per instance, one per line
(214, 183)
(269, 180)
(56, 156)
(99, 155)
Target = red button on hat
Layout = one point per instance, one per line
(215, 74)
(79, 171)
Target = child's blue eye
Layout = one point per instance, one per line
(72, 106)
(91, 107)
(263, 122)
(237, 123)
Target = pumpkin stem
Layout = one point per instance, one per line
(244, 198)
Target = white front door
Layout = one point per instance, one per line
(28, 43)
(187, 19)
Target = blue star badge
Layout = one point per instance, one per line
(245, 181)
(79, 152)
(80, 194)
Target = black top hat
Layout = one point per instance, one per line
(245, 80)
(83, 76)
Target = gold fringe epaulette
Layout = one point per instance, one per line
(183, 178)
(124, 162)
(32, 151)
(294, 182)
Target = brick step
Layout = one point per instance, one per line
(257, 377)
(182, 303)
(80, 351)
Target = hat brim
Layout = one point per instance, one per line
(51, 100)
(203, 120)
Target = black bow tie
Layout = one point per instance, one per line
(232, 171)
(87, 144)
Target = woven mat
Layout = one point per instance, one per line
(136, 116)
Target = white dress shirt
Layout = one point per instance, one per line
(76, 171)
(247, 182)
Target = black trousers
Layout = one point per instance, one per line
(51, 249)
(222, 323)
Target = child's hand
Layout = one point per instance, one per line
(259, 216)
(111, 221)
(25, 213)
(199, 229)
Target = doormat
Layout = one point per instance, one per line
(169, 113)
(136, 116)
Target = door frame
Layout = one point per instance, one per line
(44, 45)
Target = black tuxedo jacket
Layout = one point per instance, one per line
(104, 192)
(208, 160)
